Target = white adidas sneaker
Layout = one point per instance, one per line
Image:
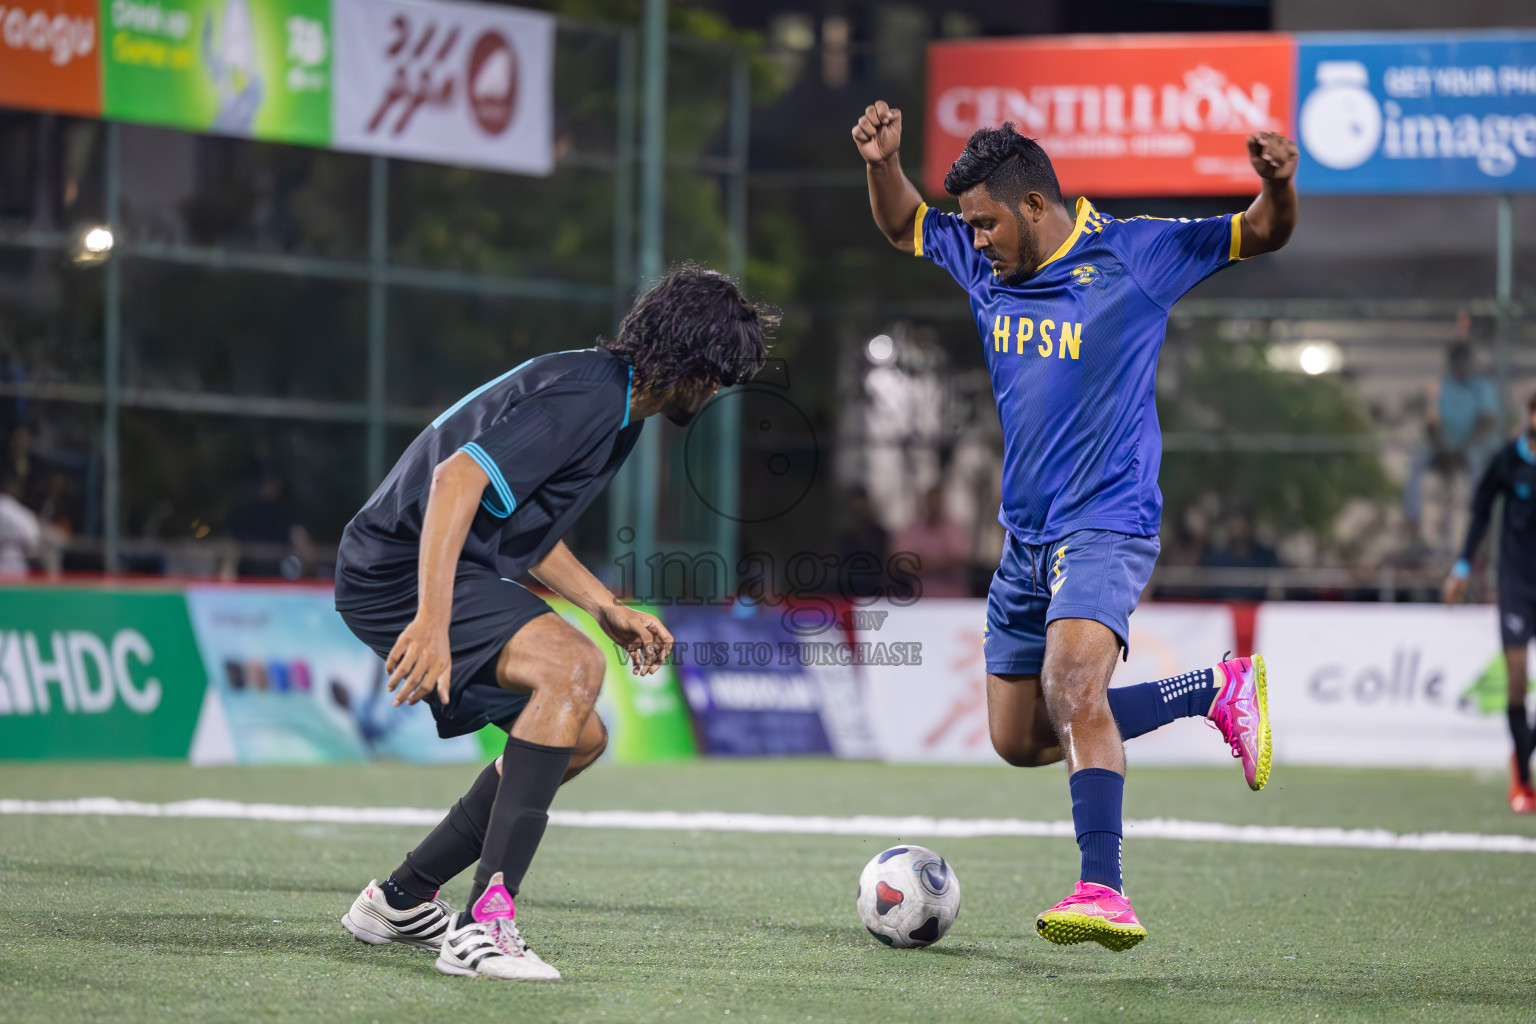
(374, 921)
(490, 946)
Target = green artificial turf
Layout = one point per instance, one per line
(127, 919)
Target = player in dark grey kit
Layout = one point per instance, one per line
(425, 575)
(1511, 475)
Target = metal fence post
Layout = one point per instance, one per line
(728, 444)
(112, 369)
(621, 493)
(1504, 295)
(645, 479)
(378, 305)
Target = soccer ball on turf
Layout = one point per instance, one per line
(908, 897)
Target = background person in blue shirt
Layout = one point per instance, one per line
(1072, 306)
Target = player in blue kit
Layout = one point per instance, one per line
(1072, 306)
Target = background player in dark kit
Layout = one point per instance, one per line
(1072, 308)
(1511, 475)
(425, 577)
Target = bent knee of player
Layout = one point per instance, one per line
(1070, 694)
(1023, 751)
(591, 743)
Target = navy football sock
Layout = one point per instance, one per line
(1520, 732)
(1097, 794)
(530, 774)
(1146, 706)
(448, 849)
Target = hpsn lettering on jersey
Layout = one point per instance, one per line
(1065, 339)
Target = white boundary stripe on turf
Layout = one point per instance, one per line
(859, 825)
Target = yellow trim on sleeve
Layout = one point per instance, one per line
(1084, 211)
(1237, 237)
(917, 229)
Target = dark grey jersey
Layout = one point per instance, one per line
(1511, 473)
(550, 434)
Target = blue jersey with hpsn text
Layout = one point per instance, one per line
(1073, 357)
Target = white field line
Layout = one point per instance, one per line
(858, 825)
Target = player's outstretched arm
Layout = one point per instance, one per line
(642, 635)
(1269, 221)
(892, 198)
(421, 659)
(1488, 490)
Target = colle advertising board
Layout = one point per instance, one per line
(449, 82)
(255, 68)
(1412, 113)
(49, 55)
(1385, 685)
(1119, 115)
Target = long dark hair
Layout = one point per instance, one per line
(693, 325)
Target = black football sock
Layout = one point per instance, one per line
(530, 775)
(1520, 732)
(448, 849)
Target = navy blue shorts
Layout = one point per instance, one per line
(1517, 613)
(1090, 574)
(487, 612)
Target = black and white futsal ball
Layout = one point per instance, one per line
(908, 896)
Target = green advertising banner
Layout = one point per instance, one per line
(646, 717)
(97, 673)
(256, 68)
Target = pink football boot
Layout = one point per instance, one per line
(1241, 712)
(1093, 913)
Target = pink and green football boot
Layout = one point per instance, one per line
(1093, 913)
(1241, 712)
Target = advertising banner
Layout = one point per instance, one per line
(771, 680)
(49, 56)
(1388, 685)
(96, 673)
(1411, 113)
(645, 715)
(453, 83)
(936, 710)
(1118, 115)
(288, 683)
(256, 68)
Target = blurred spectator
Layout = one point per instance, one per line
(21, 534)
(268, 523)
(1242, 550)
(942, 544)
(863, 533)
(1461, 430)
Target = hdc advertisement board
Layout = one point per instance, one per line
(1382, 114)
(1119, 115)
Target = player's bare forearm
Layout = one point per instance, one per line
(1268, 222)
(457, 485)
(562, 572)
(893, 199)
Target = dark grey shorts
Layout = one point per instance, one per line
(487, 612)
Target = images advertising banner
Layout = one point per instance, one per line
(50, 56)
(253, 68)
(453, 83)
(95, 673)
(1413, 113)
(288, 683)
(1385, 685)
(1119, 115)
